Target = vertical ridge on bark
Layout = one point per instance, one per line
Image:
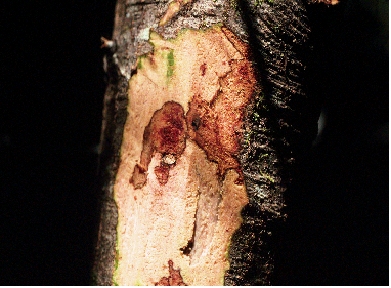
(113, 120)
(114, 116)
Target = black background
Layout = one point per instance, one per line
(52, 86)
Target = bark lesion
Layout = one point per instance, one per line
(175, 278)
(165, 134)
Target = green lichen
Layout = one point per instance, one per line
(234, 4)
(139, 283)
(140, 61)
(256, 117)
(266, 176)
(247, 138)
(170, 61)
(116, 261)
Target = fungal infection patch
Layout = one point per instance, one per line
(165, 134)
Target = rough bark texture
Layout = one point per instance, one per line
(276, 131)
(275, 128)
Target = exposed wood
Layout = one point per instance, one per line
(179, 189)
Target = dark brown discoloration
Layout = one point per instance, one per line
(175, 278)
(162, 173)
(203, 69)
(216, 125)
(165, 134)
(205, 131)
(240, 179)
(195, 122)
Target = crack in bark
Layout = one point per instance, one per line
(190, 244)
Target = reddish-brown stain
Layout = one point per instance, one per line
(239, 180)
(216, 126)
(162, 173)
(205, 131)
(243, 71)
(174, 278)
(203, 69)
(165, 134)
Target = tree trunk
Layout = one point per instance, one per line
(205, 115)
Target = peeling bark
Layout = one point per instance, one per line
(185, 201)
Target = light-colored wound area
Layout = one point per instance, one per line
(181, 205)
